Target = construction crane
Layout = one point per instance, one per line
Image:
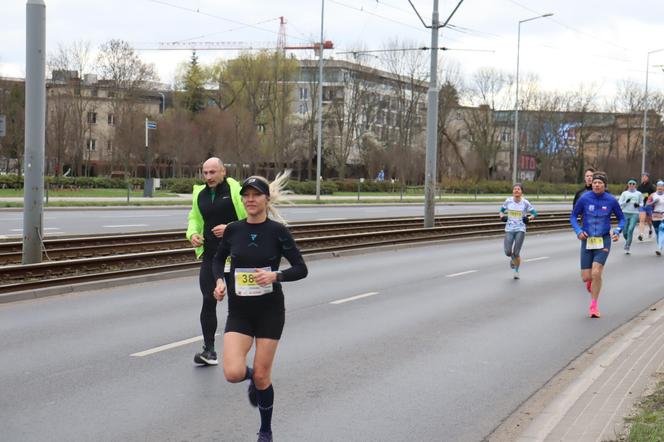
(239, 45)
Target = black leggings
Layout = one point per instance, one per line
(209, 309)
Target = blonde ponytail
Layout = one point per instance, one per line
(279, 194)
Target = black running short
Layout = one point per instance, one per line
(265, 324)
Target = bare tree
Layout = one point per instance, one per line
(407, 106)
(127, 77)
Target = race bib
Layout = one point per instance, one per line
(515, 214)
(227, 265)
(245, 283)
(594, 243)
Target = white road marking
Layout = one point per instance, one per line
(165, 347)
(536, 259)
(45, 228)
(127, 225)
(454, 275)
(3, 237)
(15, 230)
(353, 298)
(331, 219)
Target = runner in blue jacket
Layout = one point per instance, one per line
(595, 234)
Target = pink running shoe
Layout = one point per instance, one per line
(594, 311)
(589, 285)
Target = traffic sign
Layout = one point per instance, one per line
(152, 124)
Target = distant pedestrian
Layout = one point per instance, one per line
(215, 204)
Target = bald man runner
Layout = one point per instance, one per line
(215, 204)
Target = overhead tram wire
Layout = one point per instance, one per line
(607, 42)
(355, 8)
(217, 17)
(421, 48)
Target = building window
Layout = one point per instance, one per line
(92, 144)
(94, 92)
(302, 108)
(260, 128)
(505, 137)
(92, 117)
(109, 145)
(111, 120)
(304, 93)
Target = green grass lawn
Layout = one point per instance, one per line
(86, 193)
(648, 424)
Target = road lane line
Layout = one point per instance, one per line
(331, 219)
(127, 225)
(454, 275)
(536, 259)
(353, 298)
(165, 347)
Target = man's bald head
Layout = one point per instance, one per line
(214, 171)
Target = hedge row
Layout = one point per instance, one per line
(328, 187)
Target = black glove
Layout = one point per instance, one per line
(636, 205)
(526, 220)
(503, 218)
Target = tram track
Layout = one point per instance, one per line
(80, 259)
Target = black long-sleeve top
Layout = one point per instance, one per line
(252, 246)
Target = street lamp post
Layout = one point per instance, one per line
(516, 101)
(645, 112)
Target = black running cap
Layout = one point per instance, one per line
(257, 184)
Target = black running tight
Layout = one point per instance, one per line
(209, 309)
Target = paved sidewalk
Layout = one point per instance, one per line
(594, 405)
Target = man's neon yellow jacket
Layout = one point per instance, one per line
(196, 222)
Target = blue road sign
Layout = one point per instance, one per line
(152, 125)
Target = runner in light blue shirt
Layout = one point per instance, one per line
(516, 212)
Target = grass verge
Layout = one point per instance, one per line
(648, 424)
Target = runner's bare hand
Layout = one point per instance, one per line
(220, 290)
(219, 230)
(196, 240)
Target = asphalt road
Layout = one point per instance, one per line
(88, 221)
(445, 348)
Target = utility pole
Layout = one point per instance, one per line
(432, 115)
(35, 130)
(432, 126)
(319, 147)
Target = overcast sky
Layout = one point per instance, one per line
(586, 41)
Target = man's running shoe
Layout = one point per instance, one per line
(206, 357)
(658, 252)
(594, 311)
(253, 400)
(640, 237)
(516, 273)
(264, 436)
(589, 285)
(627, 250)
(650, 234)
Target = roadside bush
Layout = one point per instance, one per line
(179, 185)
(11, 181)
(309, 187)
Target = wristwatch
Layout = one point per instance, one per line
(280, 276)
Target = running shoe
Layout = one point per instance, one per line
(253, 400)
(594, 311)
(516, 274)
(589, 285)
(658, 252)
(640, 237)
(264, 436)
(650, 234)
(206, 357)
(512, 264)
(626, 250)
